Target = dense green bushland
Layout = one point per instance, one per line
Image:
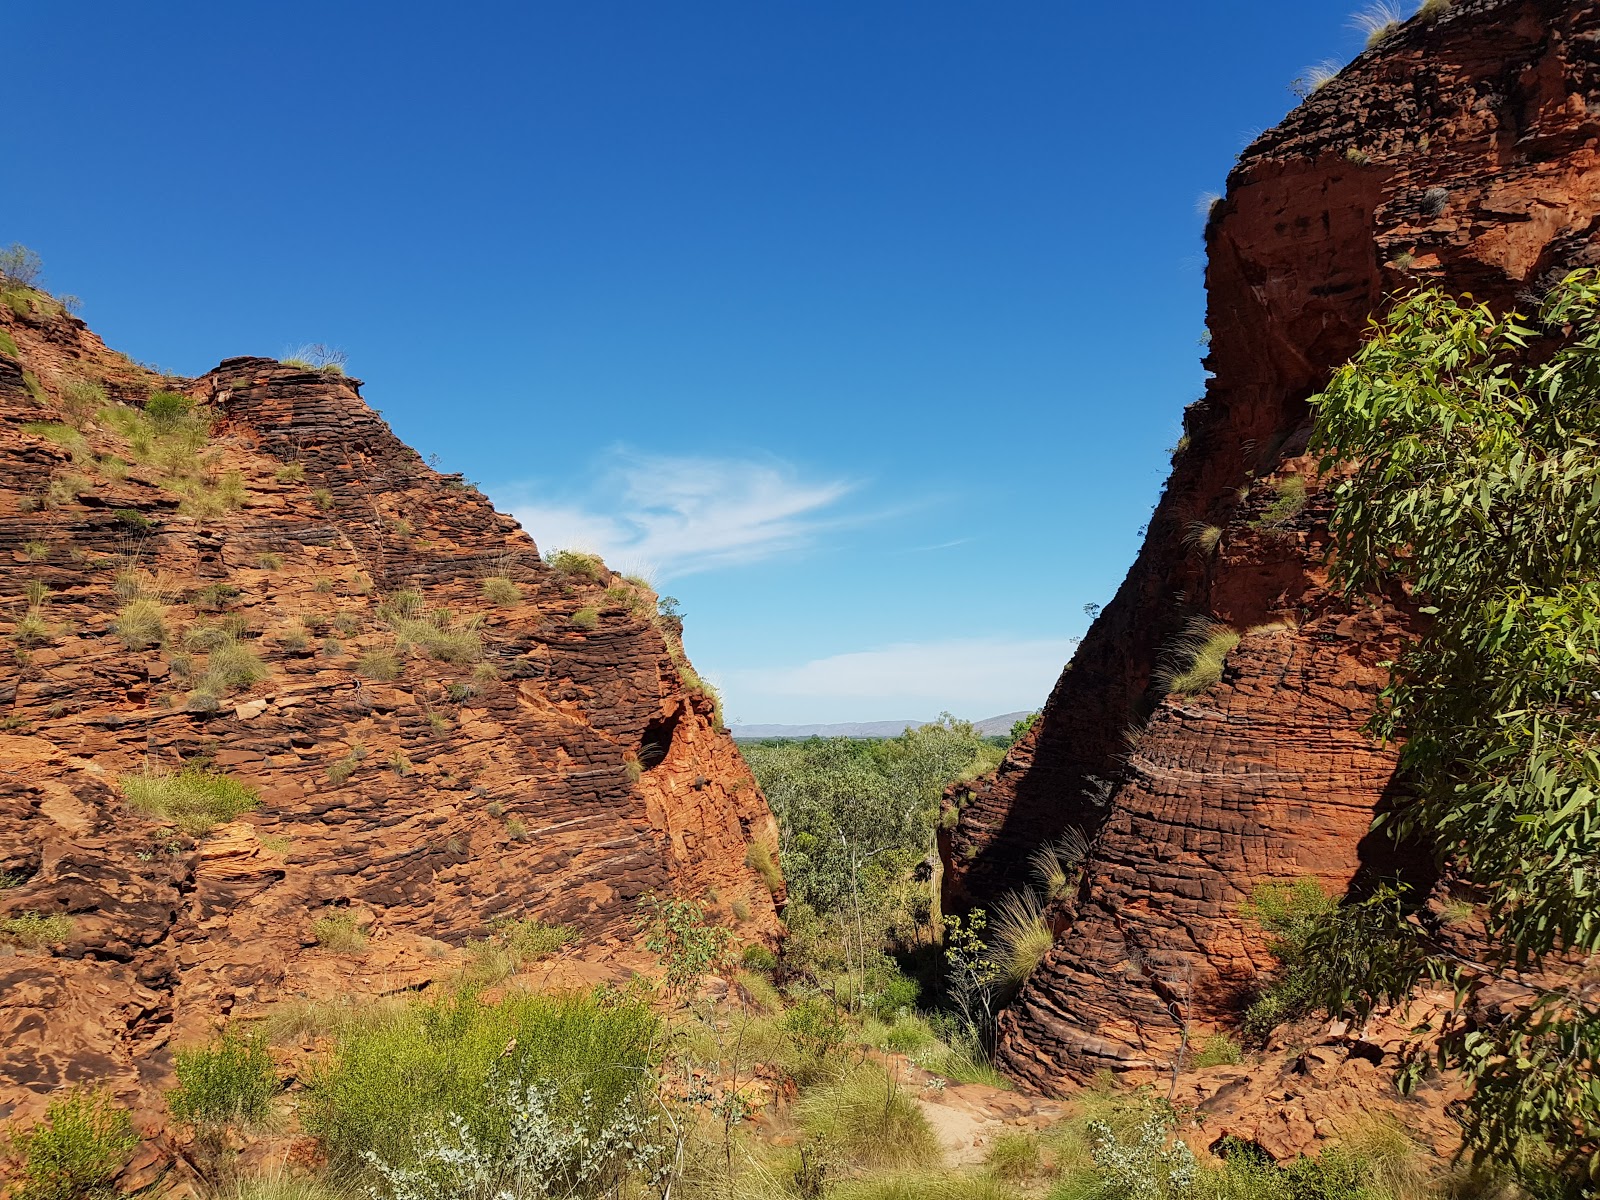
(856, 824)
(1476, 487)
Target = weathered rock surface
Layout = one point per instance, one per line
(1463, 151)
(568, 773)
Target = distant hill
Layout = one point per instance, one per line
(995, 726)
(989, 727)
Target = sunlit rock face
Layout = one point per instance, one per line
(544, 766)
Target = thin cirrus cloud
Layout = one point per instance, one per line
(971, 677)
(672, 516)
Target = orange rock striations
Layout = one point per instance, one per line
(293, 599)
(1461, 150)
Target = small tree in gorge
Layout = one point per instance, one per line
(1476, 483)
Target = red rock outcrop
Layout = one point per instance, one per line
(1461, 150)
(562, 765)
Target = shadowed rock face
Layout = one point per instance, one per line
(577, 776)
(1461, 152)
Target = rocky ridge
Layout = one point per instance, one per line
(1461, 150)
(441, 728)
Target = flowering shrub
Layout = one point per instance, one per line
(1149, 1166)
(545, 1157)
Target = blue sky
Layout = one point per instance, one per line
(862, 327)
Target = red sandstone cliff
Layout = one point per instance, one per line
(1461, 150)
(562, 771)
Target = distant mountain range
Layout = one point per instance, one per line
(989, 727)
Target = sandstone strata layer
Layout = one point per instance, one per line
(574, 767)
(1460, 151)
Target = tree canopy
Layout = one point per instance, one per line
(1468, 446)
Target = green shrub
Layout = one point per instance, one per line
(133, 520)
(907, 1034)
(433, 1060)
(1218, 1050)
(1021, 936)
(339, 932)
(229, 1083)
(758, 990)
(758, 958)
(575, 564)
(168, 411)
(1290, 499)
(36, 551)
(1057, 865)
(1379, 21)
(498, 589)
(531, 939)
(434, 630)
(512, 945)
(380, 665)
(1290, 914)
(193, 799)
(35, 930)
(1196, 661)
(585, 618)
(210, 496)
(1015, 1156)
(141, 623)
(1202, 539)
(815, 1030)
(234, 665)
(215, 597)
(758, 857)
(82, 398)
(53, 431)
(678, 933)
(270, 562)
(341, 769)
(924, 1186)
(290, 473)
(867, 1118)
(205, 698)
(322, 498)
(8, 346)
(280, 1185)
(76, 1151)
(203, 639)
(33, 630)
(401, 604)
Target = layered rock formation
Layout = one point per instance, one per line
(1462, 150)
(554, 756)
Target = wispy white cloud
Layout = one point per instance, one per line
(936, 546)
(971, 677)
(670, 516)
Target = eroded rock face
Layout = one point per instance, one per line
(1460, 151)
(568, 773)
